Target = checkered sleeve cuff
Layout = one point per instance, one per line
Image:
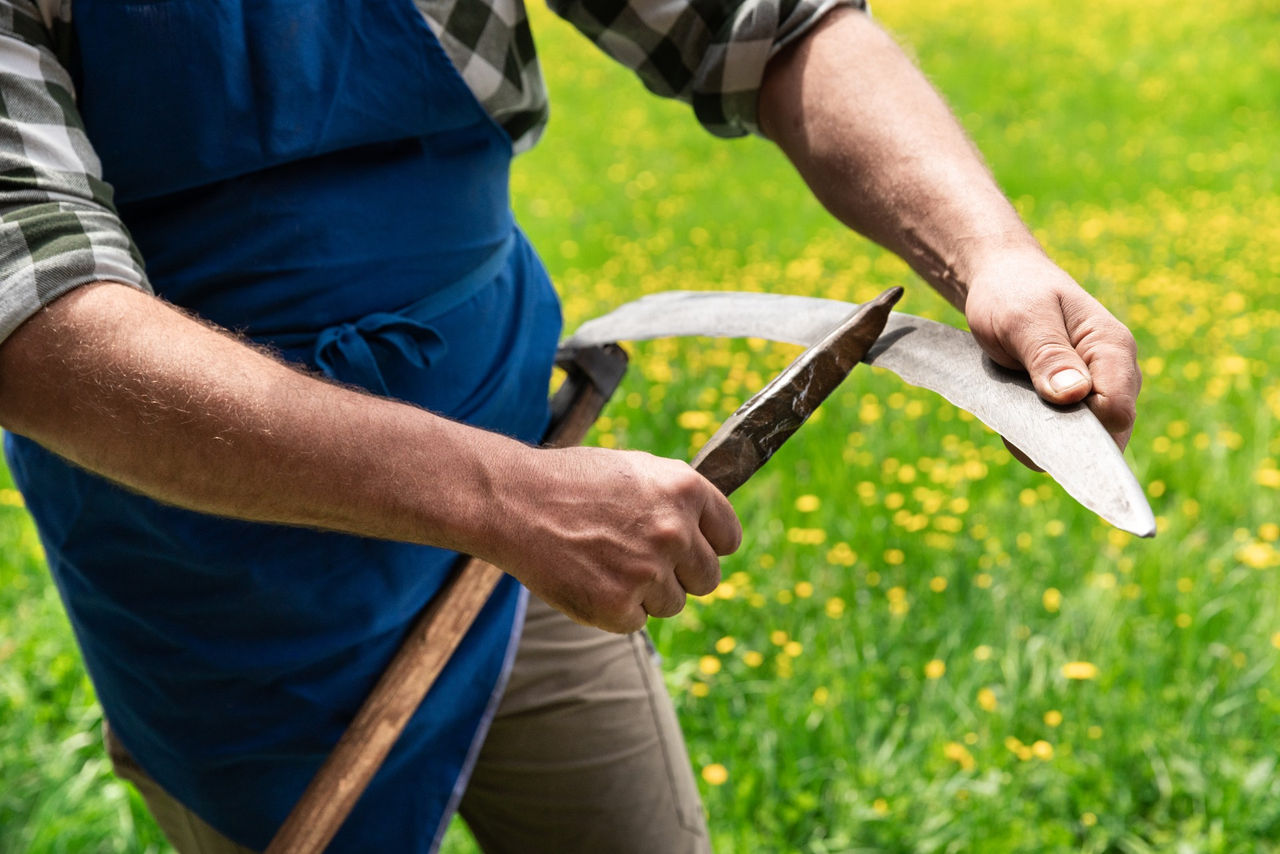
(709, 53)
(58, 225)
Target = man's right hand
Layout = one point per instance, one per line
(612, 537)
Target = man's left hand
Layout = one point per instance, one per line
(1027, 313)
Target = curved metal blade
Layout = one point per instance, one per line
(1068, 442)
(749, 437)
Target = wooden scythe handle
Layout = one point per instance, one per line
(591, 378)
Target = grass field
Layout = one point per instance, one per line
(921, 646)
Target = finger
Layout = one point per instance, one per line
(666, 598)
(719, 522)
(632, 620)
(1058, 371)
(1116, 383)
(699, 574)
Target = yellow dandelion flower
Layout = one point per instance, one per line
(1055, 527)
(1275, 640)
(894, 500)
(958, 753)
(804, 589)
(756, 600)
(784, 597)
(1088, 819)
(1052, 600)
(1012, 743)
(792, 649)
(1182, 621)
(835, 607)
(806, 536)
(715, 774)
(694, 420)
(778, 637)
(1042, 749)
(1185, 585)
(1080, 670)
(881, 806)
(937, 584)
(841, 555)
(982, 652)
(1028, 498)
(1053, 718)
(987, 700)
(709, 664)
(726, 590)
(1258, 555)
(699, 689)
(751, 658)
(982, 580)
(808, 503)
(725, 645)
(894, 557)
(1269, 532)
(935, 669)
(821, 695)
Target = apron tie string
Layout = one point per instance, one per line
(346, 352)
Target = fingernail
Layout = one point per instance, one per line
(1066, 379)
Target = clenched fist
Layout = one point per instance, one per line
(612, 537)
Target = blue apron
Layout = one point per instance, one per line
(318, 176)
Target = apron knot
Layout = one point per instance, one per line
(349, 352)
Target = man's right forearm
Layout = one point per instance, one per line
(128, 387)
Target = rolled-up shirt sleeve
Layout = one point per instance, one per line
(58, 226)
(709, 53)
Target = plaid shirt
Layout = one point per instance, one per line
(58, 225)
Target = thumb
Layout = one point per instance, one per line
(1057, 371)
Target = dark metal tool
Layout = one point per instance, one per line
(750, 436)
(736, 451)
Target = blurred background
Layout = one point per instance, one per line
(921, 646)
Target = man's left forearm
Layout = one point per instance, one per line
(881, 150)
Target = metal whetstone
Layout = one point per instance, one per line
(1068, 442)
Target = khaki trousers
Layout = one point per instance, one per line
(585, 754)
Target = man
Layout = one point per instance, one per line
(321, 179)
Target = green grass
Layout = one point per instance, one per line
(935, 589)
